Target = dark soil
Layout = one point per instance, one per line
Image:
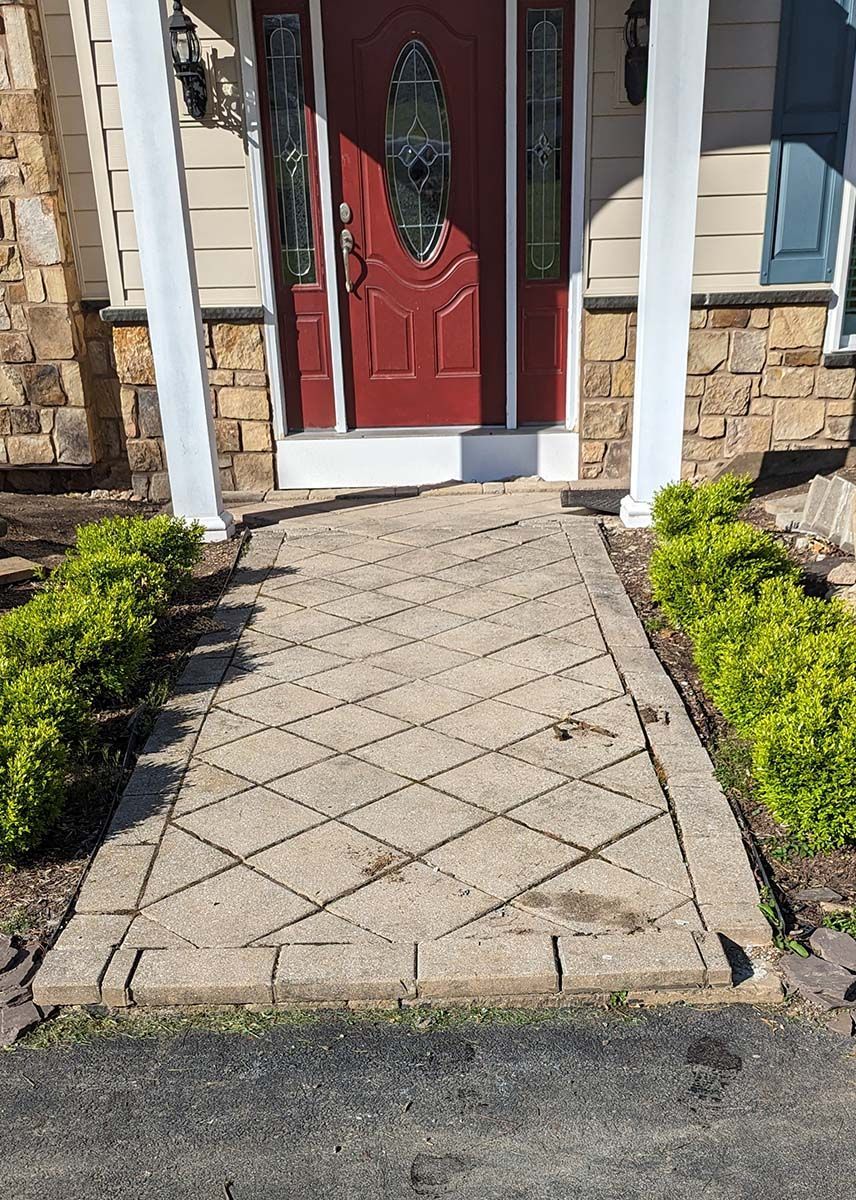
(789, 870)
(34, 893)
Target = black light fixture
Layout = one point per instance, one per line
(637, 25)
(187, 61)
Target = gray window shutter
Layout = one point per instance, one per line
(815, 71)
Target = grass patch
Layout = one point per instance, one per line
(844, 922)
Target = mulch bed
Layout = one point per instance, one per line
(789, 871)
(35, 893)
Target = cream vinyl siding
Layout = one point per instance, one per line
(218, 182)
(741, 68)
(77, 164)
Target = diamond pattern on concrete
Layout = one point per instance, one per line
(311, 592)
(364, 606)
(491, 725)
(479, 637)
(599, 672)
(360, 641)
(327, 861)
(372, 576)
(420, 621)
(248, 822)
(502, 858)
(597, 897)
(347, 727)
(546, 655)
(475, 602)
(267, 755)
(583, 753)
(420, 702)
(181, 860)
(414, 903)
(496, 782)
(222, 727)
(418, 753)
(419, 660)
(319, 929)
(233, 908)
(533, 617)
(556, 697)
(279, 704)
(539, 585)
(416, 818)
(634, 777)
(419, 590)
(354, 681)
(339, 784)
(653, 851)
(485, 677)
(583, 814)
(203, 784)
(287, 665)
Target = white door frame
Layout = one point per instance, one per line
(255, 153)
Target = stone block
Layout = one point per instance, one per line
(748, 351)
(39, 165)
(597, 379)
(16, 569)
(29, 450)
(759, 318)
(711, 427)
(131, 347)
(726, 395)
(148, 413)
(700, 449)
(71, 436)
(835, 946)
(707, 351)
(729, 318)
(345, 972)
(15, 348)
(604, 336)
(228, 434)
(836, 384)
(22, 112)
(25, 420)
(37, 221)
(11, 386)
(226, 976)
(245, 404)
(11, 180)
(253, 472)
(604, 419)
(42, 385)
(692, 409)
(238, 348)
(145, 455)
(115, 986)
(698, 318)
(20, 57)
(747, 435)
(788, 381)
(616, 463)
(796, 420)
(159, 489)
(623, 374)
(51, 331)
(801, 358)
(11, 268)
(34, 284)
(256, 435)
(797, 325)
(56, 284)
(641, 961)
(592, 452)
(517, 965)
(694, 386)
(71, 976)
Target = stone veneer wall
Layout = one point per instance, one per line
(240, 403)
(755, 383)
(45, 417)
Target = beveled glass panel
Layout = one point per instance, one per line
(286, 98)
(418, 151)
(544, 33)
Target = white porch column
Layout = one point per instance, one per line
(156, 169)
(678, 51)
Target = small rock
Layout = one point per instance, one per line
(835, 946)
(841, 1022)
(815, 895)
(16, 1020)
(16, 569)
(817, 975)
(843, 574)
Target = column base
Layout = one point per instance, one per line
(635, 514)
(217, 529)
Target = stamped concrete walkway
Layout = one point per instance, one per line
(422, 755)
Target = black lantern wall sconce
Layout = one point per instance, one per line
(187, 61)
(637, 25)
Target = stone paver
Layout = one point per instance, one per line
(410, 766)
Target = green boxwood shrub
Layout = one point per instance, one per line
(804, 759)
(684, 507)
(175, 543)
(96, 572)
(103, 637)
(41, 713)
(691, 573)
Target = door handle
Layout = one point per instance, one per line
(346, 241)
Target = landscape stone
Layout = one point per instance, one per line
(15, 569)
(817, 975)
(835, 946)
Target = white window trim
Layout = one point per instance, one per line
(835, 340)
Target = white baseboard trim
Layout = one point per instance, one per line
(411, 457)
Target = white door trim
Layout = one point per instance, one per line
(328, 227)
(835, 340)
(579, 149)
(264, 258)
(511, 192)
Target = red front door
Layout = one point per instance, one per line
(416, 107)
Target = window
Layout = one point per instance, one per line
(544, 32)
(418, 151)
(284, 57)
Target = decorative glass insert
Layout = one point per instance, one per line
(418, 151)
(544, 32)
(284, 55)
